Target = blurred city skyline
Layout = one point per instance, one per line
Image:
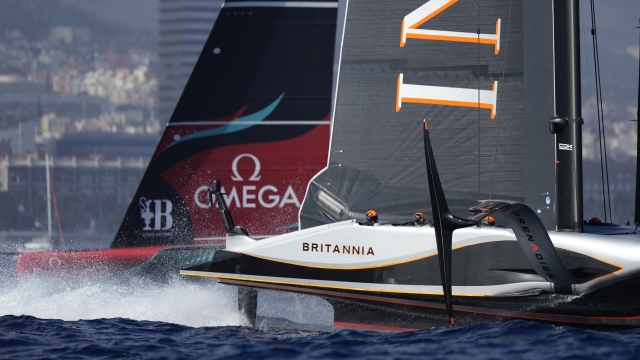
(619, 54)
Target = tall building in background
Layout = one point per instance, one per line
(184, 27)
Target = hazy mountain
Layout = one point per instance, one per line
(139, 14)
(35, 18)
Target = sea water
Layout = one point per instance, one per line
(47, 317)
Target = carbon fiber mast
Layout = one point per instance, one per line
(567, 124)
(444, 222)
(637, 207)
(261, 87)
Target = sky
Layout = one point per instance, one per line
(618, 44)
(618, 53)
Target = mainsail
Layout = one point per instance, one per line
(480, 71)
(254, 114)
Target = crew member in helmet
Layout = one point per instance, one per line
(418, 219)
(371, 217)
(489, 221)
(594, 221)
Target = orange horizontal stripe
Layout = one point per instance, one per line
(344, 268)
(620, 268)
(470, 39)
(370, 327)
(398, 93)
(464, 246)
(322, 285)
(402, 35)
(541, 317)
(356, 267)
(450, 103)
(430, 16)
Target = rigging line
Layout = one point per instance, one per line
(504, 66)
(603, 143)
(604, 136)
(586, 59)
(479, 130)
(595, 61)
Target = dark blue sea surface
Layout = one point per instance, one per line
(44, 317)
(34, 338)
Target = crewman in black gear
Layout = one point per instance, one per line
(419, 219)
(371, 218)
(489, 221)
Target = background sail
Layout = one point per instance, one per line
(402, 61)
(254, 114)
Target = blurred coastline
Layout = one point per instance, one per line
(80, 87)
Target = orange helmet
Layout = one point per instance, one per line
(595, 220)
(371, 216)
(489, 221)
(419, 218)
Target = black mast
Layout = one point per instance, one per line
(636, 219)
(567, 124)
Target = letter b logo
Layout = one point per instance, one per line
(166, 214)
(161, 210)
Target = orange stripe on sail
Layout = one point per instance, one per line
(428, 17)
(470, 39)
(497, 50)
(451, 103)
(402, 34)
(398, 93)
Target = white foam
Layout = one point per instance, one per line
(177, 302)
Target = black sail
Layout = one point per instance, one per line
(260, 89)
(487, 97)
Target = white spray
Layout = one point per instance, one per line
(178, 301)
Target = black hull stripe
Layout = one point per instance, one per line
(604, 321)
(326, 286)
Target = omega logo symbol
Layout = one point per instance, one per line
(54, 262)
(256, 171)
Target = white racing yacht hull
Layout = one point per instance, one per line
(388, 277)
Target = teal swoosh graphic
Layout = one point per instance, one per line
(231, 127)
(293, 226)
